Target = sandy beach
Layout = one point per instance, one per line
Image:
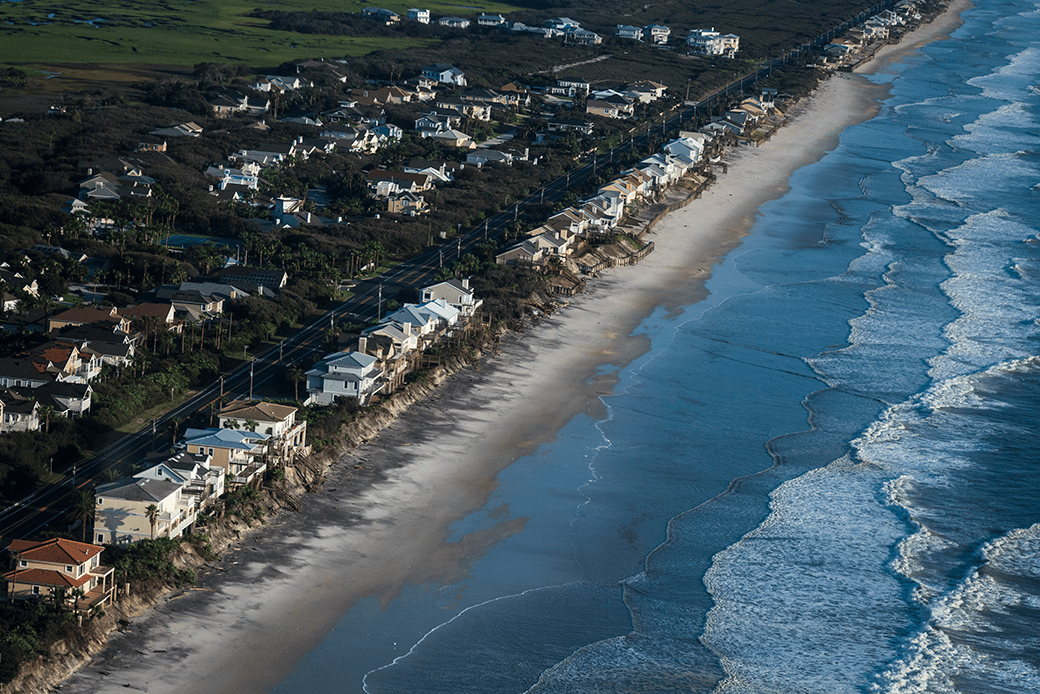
(271, 599)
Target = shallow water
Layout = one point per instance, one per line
(820, 479)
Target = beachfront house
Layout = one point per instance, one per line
(526, 252)
(286, 435)
(455, 292)
(343, 375)
(198, 478)
(74, 568)
(125, 512)
(240, 453)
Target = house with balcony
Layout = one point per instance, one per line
(421, 322)
(18, 412)
(568, 222)
(712, 43)
(525, 252)
(656, 34)
(285, 436)
(456, 293)
(242, 454)
(42, 568)
(419, 15)
(454, 22)
(402, 338)
(67, 399)
(611, 105)
(65, 362)
(442, 73)
(386, 183)
(343, 375)
(626, 31)
(204, 482)
(122, 516)
(409, 204)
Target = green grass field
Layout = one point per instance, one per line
(177, 32)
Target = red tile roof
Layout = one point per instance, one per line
(57, 550)
(46, 577)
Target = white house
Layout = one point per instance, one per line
(445, 74)
(455, 292)
(122, 514)
(656, 34)
(419, 15)
(444, 313)
(285, 435)
(626, 31)
(711, 42)
(491, 20)
(454, 22)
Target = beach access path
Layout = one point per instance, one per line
(381, 521)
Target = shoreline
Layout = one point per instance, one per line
(439, 460)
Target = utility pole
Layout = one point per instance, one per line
(379, 304)
(250, 380)
(221, 386)
(458, 252)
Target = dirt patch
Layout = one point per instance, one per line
(49, 84)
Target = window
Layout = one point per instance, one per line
(35, 590)
(68, 568)
(100, 537)
(270, 430)
(211, 451)
(23, 563)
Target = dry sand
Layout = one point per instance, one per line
(272, 599)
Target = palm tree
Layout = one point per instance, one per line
(252, 424)
(46, 410)
(153, 516)
(296, 377)
(83, 506)
(175, 428)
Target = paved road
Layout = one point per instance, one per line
(48, 504)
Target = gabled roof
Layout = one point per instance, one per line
(224, 438)
(354, 361)
(84, 315)
(133, 489)
(57, 550)
(260, 411)
(410, 314)
(23, 369)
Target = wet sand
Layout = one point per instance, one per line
(382, 519)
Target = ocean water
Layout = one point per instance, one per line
(823, 478)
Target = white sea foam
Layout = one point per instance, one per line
(959, 640)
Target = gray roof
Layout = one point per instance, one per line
(131, 489)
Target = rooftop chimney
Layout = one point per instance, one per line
(362, 345)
